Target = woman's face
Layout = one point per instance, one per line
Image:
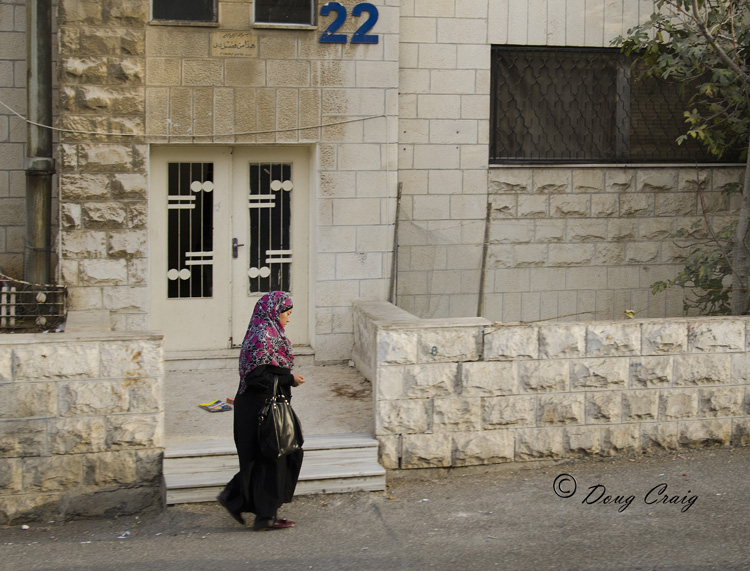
(285, 317)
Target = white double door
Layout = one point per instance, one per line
(226, 225)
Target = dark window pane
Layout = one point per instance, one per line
(581, 105)
(284, 12)
(185, 10)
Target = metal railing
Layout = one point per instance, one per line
(30, 308)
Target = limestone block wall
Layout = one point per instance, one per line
(103, 160)
(584, 244)
(81, 425)
(468, 392)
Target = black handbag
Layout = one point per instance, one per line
(279, 429)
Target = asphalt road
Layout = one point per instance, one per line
(678, 511)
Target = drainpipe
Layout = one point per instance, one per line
(39, 164)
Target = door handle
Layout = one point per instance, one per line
(235, 247)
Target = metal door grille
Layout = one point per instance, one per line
(269, 208)
(190, 206)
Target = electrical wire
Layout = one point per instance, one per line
(186, 135)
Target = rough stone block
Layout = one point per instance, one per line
(678, 403)
(105, 158)
(126, 299)
(23, 438)
(640, 405)
(129, 186)
(718, 336)
(560, 341)
(404, 416)
(109, 469)
(449, 345)
(702, 433)
(85, 398)
(651, 371)
(389, 451)
(426, 450)
(484, 378)
(146, 395)
(128, 244)
(430, 380)
(476, 448)
(103, 272)
(621, 439)
(132, 359)
(560, 409)
(741, 432)
(508, 343)
(721, 401)
(657, 437)
(6, 364)
(664, 337)
(616, 340)
(56, 361)
(11, 475)
(135, 431)
(544, 376)
(52, 473)
(396, 347)
(740, 368)
(500, 412)
(539, 443)
(149, 465)
(79, 435)
(104, 215)
(582, 440)
(454, 414)
(603, 407)
(28, 399)
(390, 383)
(83, 244)
(702, 369)
(599, 373)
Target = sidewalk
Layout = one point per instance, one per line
(334, 399)
(495, 517)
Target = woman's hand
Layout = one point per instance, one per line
(298, 380)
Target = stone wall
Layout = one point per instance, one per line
(467, 392)
(81, 425)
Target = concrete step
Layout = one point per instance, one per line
(224, 359)
(334, 463)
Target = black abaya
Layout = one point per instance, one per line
(261, 485)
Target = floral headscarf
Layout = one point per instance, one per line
(265, 342)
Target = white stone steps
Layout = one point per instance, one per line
(198, 471)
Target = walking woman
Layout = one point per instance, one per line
(262, 485)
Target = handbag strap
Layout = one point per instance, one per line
(275, 386)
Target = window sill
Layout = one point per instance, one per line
(184, 23)
(285, 26)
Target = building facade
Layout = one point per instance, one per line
(340, 151)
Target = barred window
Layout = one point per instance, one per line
(285, 12)
(184, 10)
(582, 105)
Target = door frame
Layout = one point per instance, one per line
(157, 230)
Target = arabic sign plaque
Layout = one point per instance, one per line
(234, 44)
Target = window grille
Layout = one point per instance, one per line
(184, 10)
(299, 12)
(270, 209)
(190, 207)
(28, 308)
(582, 105)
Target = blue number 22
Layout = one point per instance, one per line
(360, 36)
